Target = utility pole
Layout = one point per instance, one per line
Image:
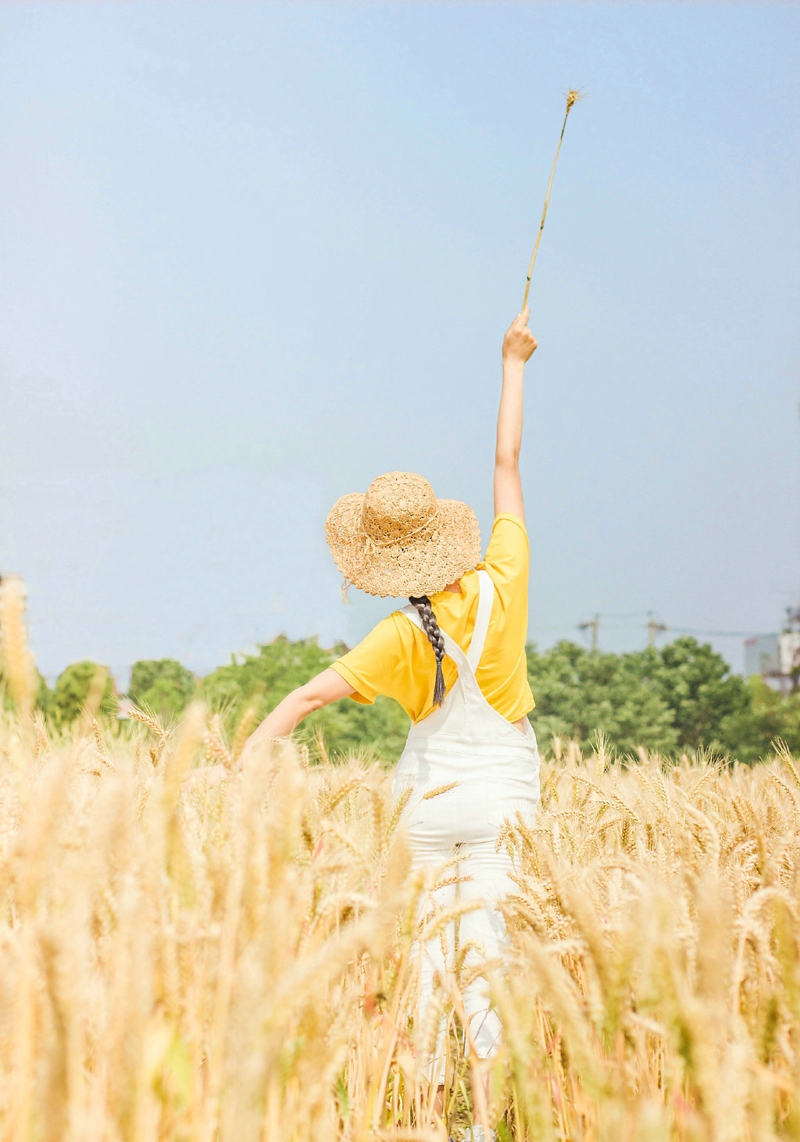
(653, 628)
(594, 626)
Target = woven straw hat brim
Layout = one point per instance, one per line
(419, 565)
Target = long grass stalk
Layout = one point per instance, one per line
(572, 98)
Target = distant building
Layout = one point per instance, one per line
(789, 652)
(776, 657)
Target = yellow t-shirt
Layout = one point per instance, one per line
(396, 658)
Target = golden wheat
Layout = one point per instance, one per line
(236, 963)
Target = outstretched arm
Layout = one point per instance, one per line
(325, 688)
(518, 345)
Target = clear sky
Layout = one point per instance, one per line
(253, 255)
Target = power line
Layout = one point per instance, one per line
(624, 615)
(659, 626)
(721, 633)
(653, 627)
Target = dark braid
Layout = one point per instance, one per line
(435, 638)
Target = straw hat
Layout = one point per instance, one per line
(398, 539)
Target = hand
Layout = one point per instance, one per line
(519, 343)
(204, 776)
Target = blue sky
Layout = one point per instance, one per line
(252, 255)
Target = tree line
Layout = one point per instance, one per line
(671, 699)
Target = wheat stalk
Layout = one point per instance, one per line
(18, 666)
(244, 962)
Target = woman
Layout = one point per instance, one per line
(455, 660)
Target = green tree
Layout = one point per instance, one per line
(750, 730)
(264, 678)
(82, 685)
(578, 693)
(259, 681)
(697, 685)
(682, 696)
(162, 685)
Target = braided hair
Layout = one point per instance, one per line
(435, 638)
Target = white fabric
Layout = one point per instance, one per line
(496, 770)
(478, 1134)
(482, 620)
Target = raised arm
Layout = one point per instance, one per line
(518, 345)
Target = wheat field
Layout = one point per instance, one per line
(236, 963)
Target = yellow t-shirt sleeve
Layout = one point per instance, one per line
(369, 665)
(508, 560)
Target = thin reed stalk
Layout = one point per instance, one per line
(572, 98)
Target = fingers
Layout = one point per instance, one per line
(519, 342)
(521, 322)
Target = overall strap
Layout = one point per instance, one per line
(450, 645)
(485, 601)
(412, 613)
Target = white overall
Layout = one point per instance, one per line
(496, 768)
